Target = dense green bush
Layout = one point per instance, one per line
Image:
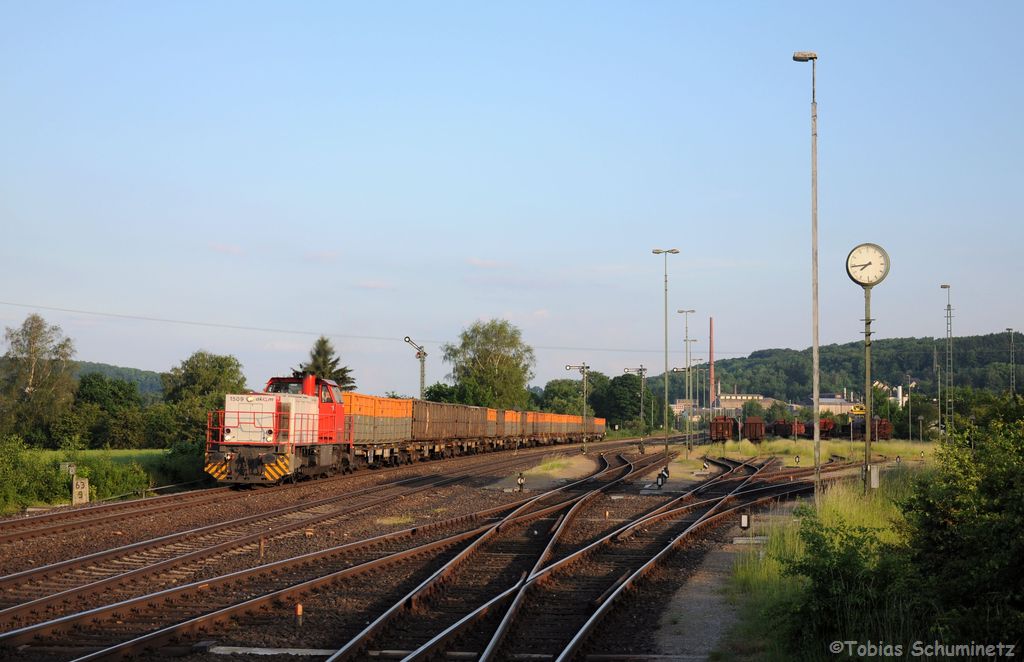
(31, 477)
(855, 586)
(26, 478)
(949, 570)
(966, 535)
(183, 462)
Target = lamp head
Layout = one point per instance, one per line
(944, 286)
(804, 56)
(686, 311)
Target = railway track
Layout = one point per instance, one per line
(17, 530)
(139, 619)
(519, 551)
(63, 521)
(43, 593)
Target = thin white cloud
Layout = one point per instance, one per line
(322, 256)
(480, 263)
(542, 313)
(227, 249)
(375, 285)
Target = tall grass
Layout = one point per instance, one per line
(769, 596)
(787, 449)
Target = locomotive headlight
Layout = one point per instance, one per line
(269, 434)
(228, 434)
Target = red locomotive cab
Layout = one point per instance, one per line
(330, 428)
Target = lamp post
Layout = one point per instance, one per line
(421, 354)
(810, 56)
(583, 368)
(1013, 367)
(666, 252)
(949, 362)
(686, 362)
(642, 372)
(910, 409)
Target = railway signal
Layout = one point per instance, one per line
(421, 354)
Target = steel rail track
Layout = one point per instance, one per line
(24, 528)
(466, 621)
(499, 557)
(62, 521)
(615, 552)
(36, 594)
(286, 577)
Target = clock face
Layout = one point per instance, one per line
(867, 264)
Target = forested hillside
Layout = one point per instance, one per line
(147, 381)
(979, 362)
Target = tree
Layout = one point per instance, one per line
(753, 408)
(622, 400)
(563, 396)
(491, 364)
(37, 384)
(112, 395)
(325, 364)
(198, 386)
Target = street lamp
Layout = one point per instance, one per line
(949, 362)
(642, 372)
(686, 362)
(583, 368)
(666, 252)
(421, 354)
(812, 57)
(910, 409)
(1013, 367)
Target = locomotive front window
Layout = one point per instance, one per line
(295, 388)
(325, 393)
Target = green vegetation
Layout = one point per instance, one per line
(31, 477)
(934, 555)
(491, 366)
(788, 449)
(548, 466)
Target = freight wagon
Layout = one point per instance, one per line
(724, 428)
(753, 429)
(309, 428)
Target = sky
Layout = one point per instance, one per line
(241, 177)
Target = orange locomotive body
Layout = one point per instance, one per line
(308, 427)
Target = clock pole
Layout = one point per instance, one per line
(868, 390)
(872, 269)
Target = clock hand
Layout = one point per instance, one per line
(862, 267)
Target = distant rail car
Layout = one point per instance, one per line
(299, 428)
(783, 428)
(724, 428)
(754, 429)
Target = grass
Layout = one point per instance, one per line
(758, 584)
(549, 466)
(147, 458)
(788, 449)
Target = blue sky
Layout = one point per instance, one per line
(375, 170)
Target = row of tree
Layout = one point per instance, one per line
(43, 404)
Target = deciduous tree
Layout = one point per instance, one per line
(37, 384)
(491, 364)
